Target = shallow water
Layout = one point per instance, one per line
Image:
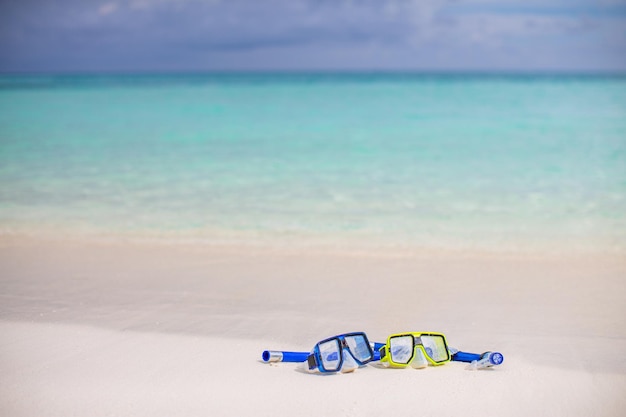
(401, 159)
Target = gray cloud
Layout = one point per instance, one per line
(274, 34)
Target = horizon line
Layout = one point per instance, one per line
(431, 72)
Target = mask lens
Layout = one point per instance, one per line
(330, 355)
(401, 349)
(359, 347)
(436, 348)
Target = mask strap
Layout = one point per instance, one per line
(312, 361)
(383, 352)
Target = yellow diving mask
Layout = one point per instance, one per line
(415, 349)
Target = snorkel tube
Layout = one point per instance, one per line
(476, 361)
(269, 356)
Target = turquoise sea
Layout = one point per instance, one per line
(418, 160)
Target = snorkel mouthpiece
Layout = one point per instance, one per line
(495, 358)
(487, 360)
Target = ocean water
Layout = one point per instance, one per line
(490, 161)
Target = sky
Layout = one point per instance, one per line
(312, 35)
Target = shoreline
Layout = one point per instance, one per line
(327, 246)
(80, 281)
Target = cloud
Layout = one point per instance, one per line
(403, 34)
(107, 8)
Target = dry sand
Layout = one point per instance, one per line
(100, 329)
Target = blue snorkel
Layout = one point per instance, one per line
(476, 361)
(270, 356)
(279, 356)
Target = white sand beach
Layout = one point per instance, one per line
(138, 329)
